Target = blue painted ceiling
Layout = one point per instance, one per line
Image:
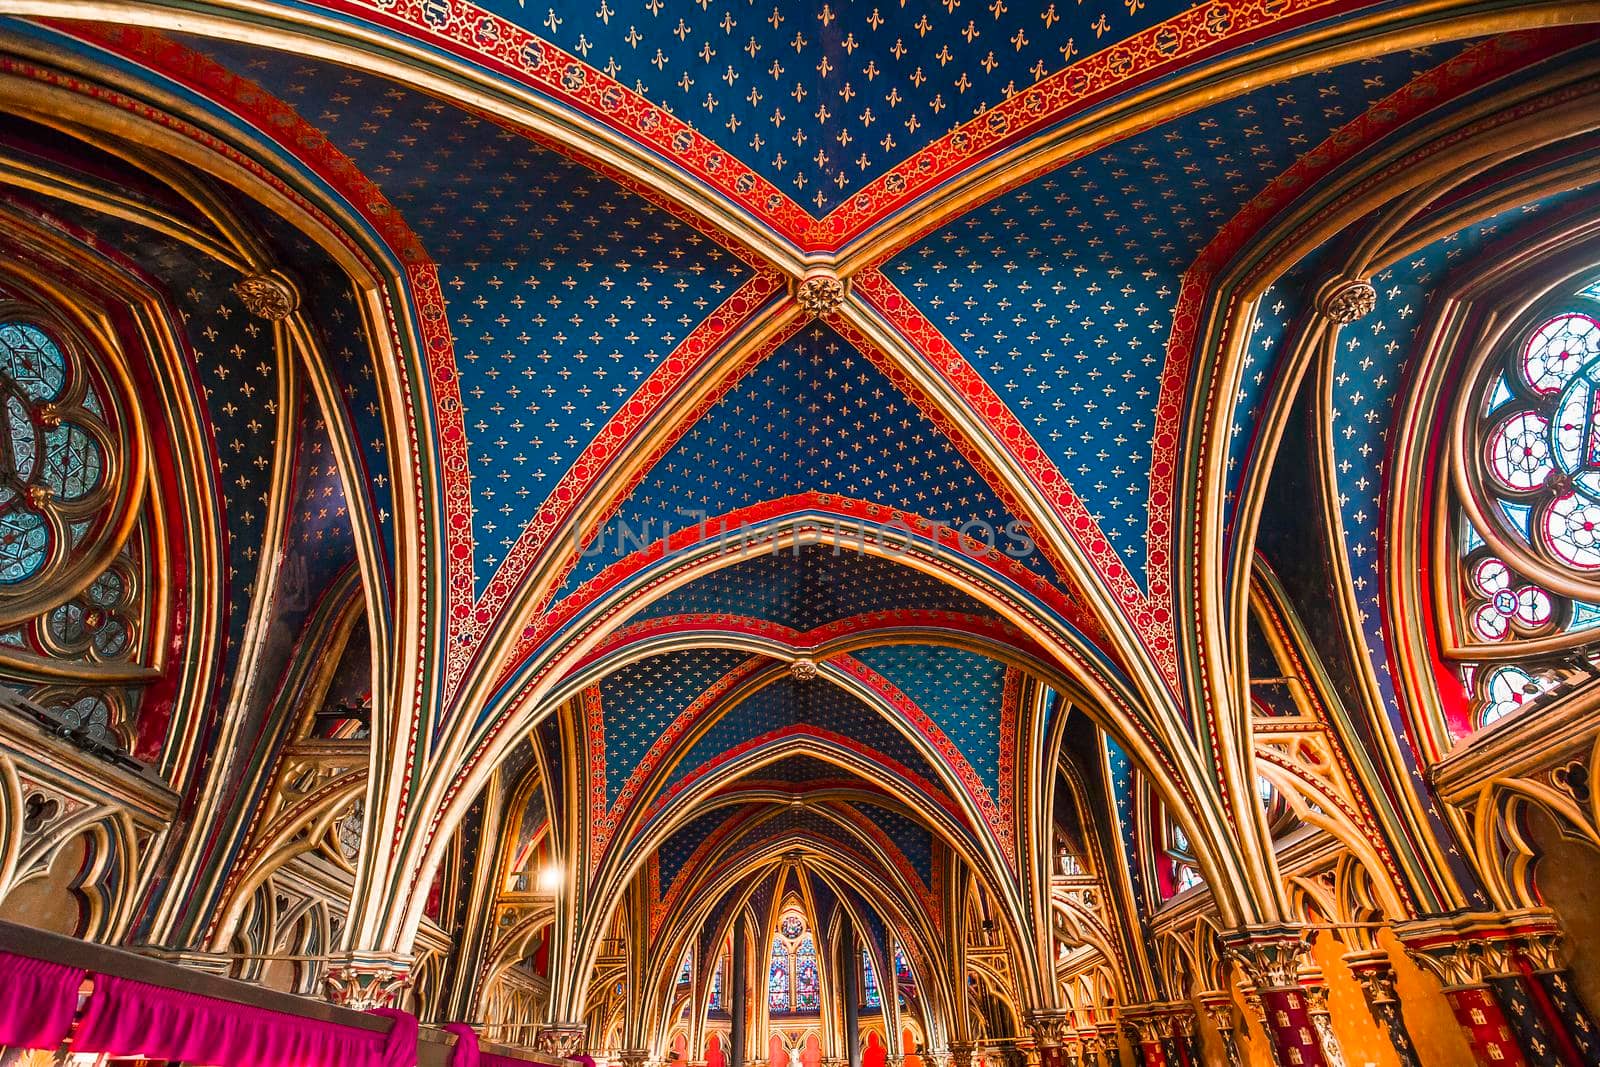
(961, 692)
(563, 290)
(642, 698)
(817, 416)
(1061, 293)
(821, 97)
(817, 704)
(817, 585)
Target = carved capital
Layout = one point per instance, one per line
(1218, 1007)
(820, 293)
(1375, 973)
(1050, 1026)
(267, 296)
(961, 1053)
(1344, 300)
(364, 982)
(1467, 950)
(563, 1040)
(633, 1057)
(1268, 956)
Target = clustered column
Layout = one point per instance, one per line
(1375, 974)
(1218, 1007)
(1507, 985)
(1270, 959)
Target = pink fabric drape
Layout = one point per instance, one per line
(128, 1018)
(38, 1001)
(467, 1053)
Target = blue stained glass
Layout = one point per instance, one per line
(869, 983)
(29, 358)
(716, 988)
(683, 971)
(73, 464)
(24, 439)
(24, 541)
(807, 994)
(1584, 616)
(791, 926)
(778, 980)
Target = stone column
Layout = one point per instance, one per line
(365, 981)
(1218, 1006)
(1253, 1005)
(1270, 959)
(1109, 1055)
(1090, 1047)
(1050, 1027)
(1183, 1035)
(562, 1040)
(739, 996)
(1145, 1029)
(1315, 986)
(1492, 967)
(1376, 974)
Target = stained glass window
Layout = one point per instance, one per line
(778, 994)
(52, 472)
(869, 983)
(685, 969)
(716, 988)
(1530, 539)
(59, 500)
(792, 980)
(807, 994)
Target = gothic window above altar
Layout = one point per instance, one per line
(793, 985)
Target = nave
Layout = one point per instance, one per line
(773, 533)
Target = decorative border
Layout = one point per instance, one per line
(465, 30)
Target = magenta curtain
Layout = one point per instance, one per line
(467, 1053)
(128, 1018)
(37, 1001)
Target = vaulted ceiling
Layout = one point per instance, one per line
(814, 407)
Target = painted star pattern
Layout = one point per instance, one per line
(913, 839)
(817, 704)
(815, 415)
(819, 584)
(820, 99)
(641, 699)
(1061, 293)
(960, 690)
(563, 289)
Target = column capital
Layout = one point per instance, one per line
(1375, 972)
(633, 1057)
(1050, 1026)
(1217, 1004)
(564, 1040)
(1470, 948)
(1269, 955)
(367, 980)
(961, 1053)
